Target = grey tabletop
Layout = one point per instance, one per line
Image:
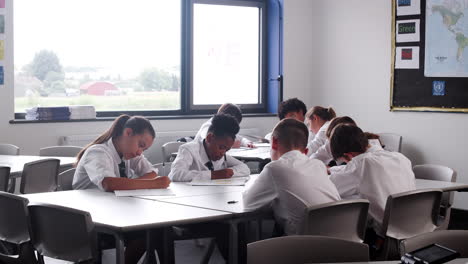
(183, 189)
(445, 186)
(258, 154)
(230, 202)
(127, 213)
(16, 162)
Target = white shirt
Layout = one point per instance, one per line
(190, 164)
(325, 155)
(374, 175)
(296, 173)
(203, 131)
(102, 160)
(319, 139)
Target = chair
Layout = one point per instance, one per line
(409, 214)
(60, 151)
(390, 141)
(453, 239)
(306, 249)
(65, 180)
(63, 233)
(9, 149)
(40, 176)
(439, 173)
(163, 168)
(346, 219)
(14, 229)
(4, 178)
(169, 148)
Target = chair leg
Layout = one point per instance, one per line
(208, 252)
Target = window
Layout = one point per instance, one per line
(151, 57)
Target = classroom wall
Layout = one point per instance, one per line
(349, 45)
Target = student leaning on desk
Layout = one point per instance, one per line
(207, 159)
(114, 161)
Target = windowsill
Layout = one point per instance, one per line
(106, 119)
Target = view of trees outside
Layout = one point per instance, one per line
(107, 53)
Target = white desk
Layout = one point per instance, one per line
(16, 162)
(182, 189)
(445, 186)
(261, 154)
(117, 215)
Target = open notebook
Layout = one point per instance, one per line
(234, 181)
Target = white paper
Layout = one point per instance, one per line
(234, 181)
(408, 7)
(145, 192)
(407, 37)
(402, 62)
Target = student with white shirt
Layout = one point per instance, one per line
(290, 171)
(207, 159)
(227, 109)
(291, 108)
(318, 119)
(114, 161)
(370, 173)
(324, 152)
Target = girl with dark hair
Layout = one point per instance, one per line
(114, 161)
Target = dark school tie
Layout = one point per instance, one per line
(122, 170)
(209, 165)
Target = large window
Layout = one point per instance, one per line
(152, 57)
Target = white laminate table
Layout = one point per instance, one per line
(117, 215)
(16, 162)
(445, 186)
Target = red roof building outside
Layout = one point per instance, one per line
(97, 88)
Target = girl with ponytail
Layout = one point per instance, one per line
(318, 119)
(114, 161)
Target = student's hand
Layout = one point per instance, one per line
(236, 144)
(161, 182)
(328, 170)
(251, 145)
(222, 174)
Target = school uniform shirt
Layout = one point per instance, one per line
(191, 163)
(319, 139)
(325, 155)
(374, 175)
(102, 160)
(203, 131)
(295, 173)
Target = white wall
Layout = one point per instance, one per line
(348, 43)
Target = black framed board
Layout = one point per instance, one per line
(429, 56)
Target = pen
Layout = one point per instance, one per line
(232, 202)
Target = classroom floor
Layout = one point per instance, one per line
(186, 251)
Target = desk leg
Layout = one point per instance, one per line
(119, 249)
(233, 237)
(150, 257)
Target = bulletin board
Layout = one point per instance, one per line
(429, 56)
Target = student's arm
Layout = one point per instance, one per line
(113, 183)
(317, 142)
(261, 193)
(143, 168)
(238, 167)
(245, 142)
(180, 170)
(323, 153)
(99, 167)
(347, 179)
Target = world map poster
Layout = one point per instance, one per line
(446, 49)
